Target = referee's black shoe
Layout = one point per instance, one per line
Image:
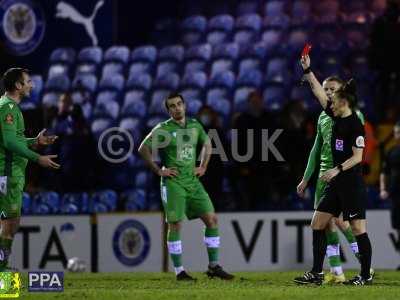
(218, 272)
(358, 280)
(310, 277)
(183, 276)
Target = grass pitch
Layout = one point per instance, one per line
(247, 285)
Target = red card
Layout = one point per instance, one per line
(306, 50)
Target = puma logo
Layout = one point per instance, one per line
(66, 11)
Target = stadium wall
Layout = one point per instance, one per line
(135, 242)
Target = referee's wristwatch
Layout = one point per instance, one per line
(340, 168)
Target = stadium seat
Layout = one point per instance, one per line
(251, 78)
(297, 37)
(274, 8)
(247, 29)
(277, 70)
(58, 69)
(107, 197)
(224, 57)
(47, 203)
(108, 108)
(219, 29)
(146, 54)
(272, 38)
(50, 99)
(301, 13)
(153, 120)
(133, 126)
(91, 55)
(34, 97)
(85, 82)
(193, 106)
(169, 82)
(356, 37)
(74, 203)
(157, 102)
(169, 60)
(221, 85)
(193, 29)
(197, 58)
(59, 83)
(274, 96)
(63, 55)
(134, 105)
(105, 96)
(135, 199)
(119, 54)
(221, 105)
(114, 82)
(192, 85)
(99, 125)
(27, 204)
(111, 69)
(247, 7)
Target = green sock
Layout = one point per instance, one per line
(5, 246)
(333, 252)
(211, 239)
(175, 247)
(348, 233)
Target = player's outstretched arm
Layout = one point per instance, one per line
(316, 87)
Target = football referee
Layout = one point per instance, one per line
(345, 192)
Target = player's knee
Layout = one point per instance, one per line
(174, 226)
(211, 220)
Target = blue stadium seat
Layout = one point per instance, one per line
(60, 83)
(133, 126)
(247, 29)
(301, 13)
(297, 38)
(219, 29)
(86, 82)
(277, 70)
(356, 37)
(63, 55)
(240, 97)
(99, 125)
(34, 97)
(328, 38)
(222, 65)
(105, 96)
(192, 85)
(157, 102)
(58, 69)
(302, 93)
(47, 203)
(221, 105)
(140, 82)
(118, 54)
(247, 7)
(27, 204)
(74, 203)
(248, 64)
(193, 106)
(138, 68)
(274, 8)
(142, 179)
(221, 85)
(274, 96)
(134, 105)
(193, 29)
(146, 54)
(197, 58)
(251, 78)
(170, 59)
(272, 38)
(230, 50)
(115, 82)
(154, 119)
(92, 55)
(50, 99)
(111, 69)
(166, 67)
(169, 82)
(135, 200)
(107, 197)
(108, 108)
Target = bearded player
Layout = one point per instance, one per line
(14, 156)
(182, 193)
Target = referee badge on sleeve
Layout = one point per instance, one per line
(360, 142)
(339, 145)
(3, 185)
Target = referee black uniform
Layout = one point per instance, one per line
(346, 193)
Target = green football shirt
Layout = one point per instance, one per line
(177, 145)
(14, 151)
(322, 150)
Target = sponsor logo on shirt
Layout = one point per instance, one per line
(339, 145)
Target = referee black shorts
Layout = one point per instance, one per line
(395, 211)
(345, 194)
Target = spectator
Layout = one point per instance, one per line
(390, 181)
(253, 178)
(213, 178)
(75, 148)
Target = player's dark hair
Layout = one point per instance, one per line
(171, 96)
(336, 79)
(12, 76)
(349, 92)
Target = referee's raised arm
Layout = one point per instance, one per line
(316, 87)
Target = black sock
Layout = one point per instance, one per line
(365, 250)
(319, 250)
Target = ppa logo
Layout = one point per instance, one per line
(46, 281)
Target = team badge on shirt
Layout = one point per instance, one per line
(9, 119)
(339, 145)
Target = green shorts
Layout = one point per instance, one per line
(319, 192)
(10, 204)
(180, 200)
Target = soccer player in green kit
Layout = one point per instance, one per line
(321, 157)
(14, 156)
(182, 193)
